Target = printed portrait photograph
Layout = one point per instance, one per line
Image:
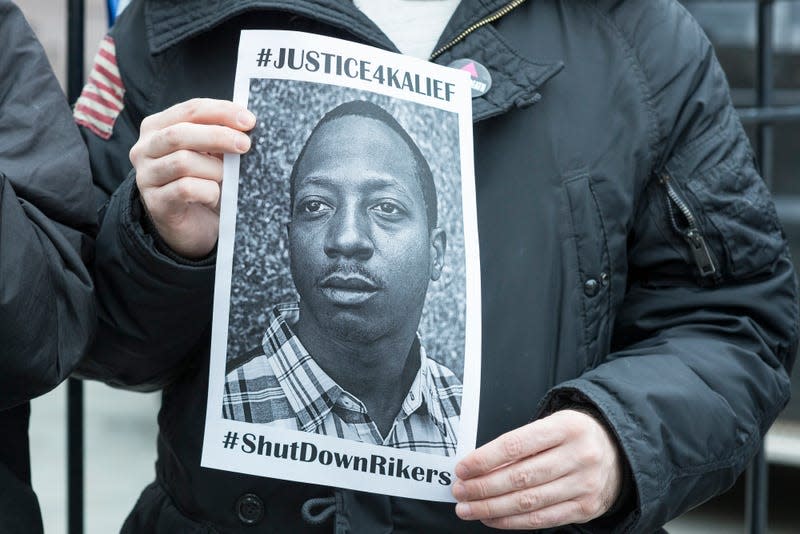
(348, 290)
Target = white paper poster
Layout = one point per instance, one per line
(347, 319)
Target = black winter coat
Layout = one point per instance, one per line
(47, 212)
(631, 258)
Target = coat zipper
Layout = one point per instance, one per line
(483, 22)
(691, 232)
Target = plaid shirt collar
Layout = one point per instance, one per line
(294, 369)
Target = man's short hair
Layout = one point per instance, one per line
(362, 108)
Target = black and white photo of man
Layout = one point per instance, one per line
(364, 244)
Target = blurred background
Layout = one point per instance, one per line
(120, 427)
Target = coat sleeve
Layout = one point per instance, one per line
(699, 364)
(46, 220)
(153, 306)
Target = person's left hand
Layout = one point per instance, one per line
(561, 469)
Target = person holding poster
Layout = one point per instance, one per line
(638, 304)
(346, 360)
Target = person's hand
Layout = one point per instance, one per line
(561, 469)
(178, 162)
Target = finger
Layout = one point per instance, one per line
(525, 441)
(563, 513)
(202, 111)
(172, 198)
(520, 502)
(160, 171)
(536, 470)
(188, 136)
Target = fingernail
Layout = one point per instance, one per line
(463, 510)
(246, 119)
(462, 472)
(459, 490)
(242, 143)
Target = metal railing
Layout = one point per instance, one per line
(75, 68)
(763, 116)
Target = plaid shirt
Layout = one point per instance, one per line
(282, 385)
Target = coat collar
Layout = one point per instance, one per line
(516, 80)
(313, 394)
(171, 21)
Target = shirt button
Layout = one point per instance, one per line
(591, 287)
(250, 509)
(604, 279)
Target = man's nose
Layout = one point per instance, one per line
(349, 235)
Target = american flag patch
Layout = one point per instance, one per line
(101, 101)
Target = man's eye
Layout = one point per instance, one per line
(313, 206)
(388, 208)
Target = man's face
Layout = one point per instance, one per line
(361, 252)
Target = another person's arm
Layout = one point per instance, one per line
(699, 366)
(47, 215)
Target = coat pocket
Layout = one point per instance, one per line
(588, 233)
(717, 177)
(741, 218)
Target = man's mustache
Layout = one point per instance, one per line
(354, 275)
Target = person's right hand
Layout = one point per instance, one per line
(178, 162)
